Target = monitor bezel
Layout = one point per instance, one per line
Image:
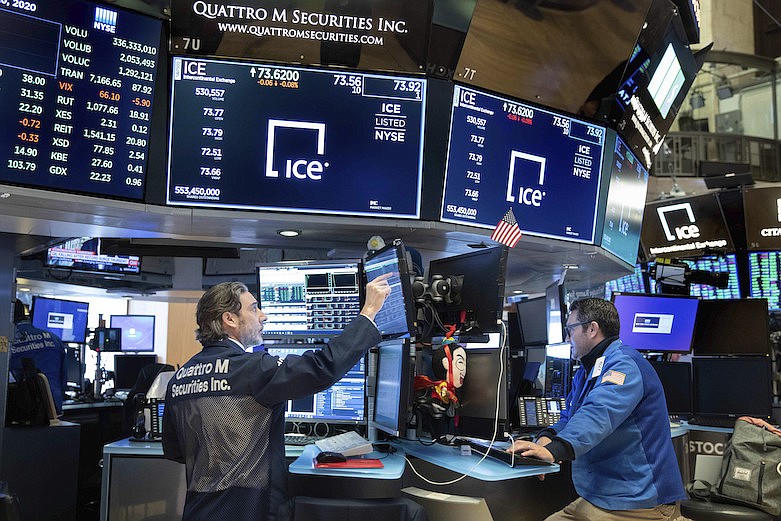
(410, 311)
(83, 337)
(125, 349)
(404, 385)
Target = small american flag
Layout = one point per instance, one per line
(507, 230)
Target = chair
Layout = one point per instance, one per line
(449, 507)
(328, 509)
(698, 510)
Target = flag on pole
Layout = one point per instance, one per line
(507, 230)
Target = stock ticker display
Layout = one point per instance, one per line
(77, 82)
(764, 271)
(505, 154)
(265, 137)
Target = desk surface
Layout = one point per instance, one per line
(71, 405)
(488, 469)
(155, 448)
(393, 466)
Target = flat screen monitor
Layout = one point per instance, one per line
(265, 137)
(690, 226)
(343, 402)
(308, 299)
(676, 379)
(657, 77)
(481, 296)
(732, 327)
(765, 277)
(733, 387)
(84, 254)
(396, 319)
(761, 212)
(64, 318)
(719, 264)
(624, 204)
(556, 312)
(106, 340)
(393, 387)
(505, 154)
(138, 331)
(532, 318)
(657, 323)
(484, 394)
(127, 369)
(558, 370)
(82, 76)
(632, 283)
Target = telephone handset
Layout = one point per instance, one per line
(534, 411)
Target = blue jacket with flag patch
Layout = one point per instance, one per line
(617, 424)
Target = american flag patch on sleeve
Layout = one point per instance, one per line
(614, 377)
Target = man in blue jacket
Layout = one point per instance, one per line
(224, 414)
(615, 430)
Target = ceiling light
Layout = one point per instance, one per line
(697, 100)
(570, 266)
(724, 91)
(5, 195)
(289, 233)
(24, 289)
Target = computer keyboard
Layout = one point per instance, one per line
(713, 421)
(348, 443)
(292, 438)
(514, 460)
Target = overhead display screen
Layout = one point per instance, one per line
(625, 204)
(765, 277)
(762, 210)
(685, 227)
(505, 154)
(267, 137)
(376, 34)
(77, 81)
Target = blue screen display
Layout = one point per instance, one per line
(656, 323)
(625, 204)
(77, 81)
(393, 318)
(343, 402)
(138, 331)
(302, 140)
(765, 277)
(64, 318)
(505, 154)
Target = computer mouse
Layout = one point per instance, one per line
(330, 457)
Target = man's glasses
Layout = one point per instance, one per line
(569, 328)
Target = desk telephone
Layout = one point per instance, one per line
(534, 411)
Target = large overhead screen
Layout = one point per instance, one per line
(655, 82)
(685, 227)
(266, 137)
(762, 211)
(376, 34)
(505, 154)
(559, 54)
(77, 80)
(624, 205)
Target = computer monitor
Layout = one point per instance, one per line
(128, 367)
(308, 298)
(733, 387)
(732, 327)
(342, 403)
(764, 274)
(396, 319)
(484, 394)
(555, 312)
(106, 340)
(558, 372)
(632, 283)
(676, 379)
(392, 390)
(657, 323)
(138, 332)
(64, 318)
(481, 296)
(723, 264)
(531, 314)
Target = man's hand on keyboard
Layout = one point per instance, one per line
(531, 450)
